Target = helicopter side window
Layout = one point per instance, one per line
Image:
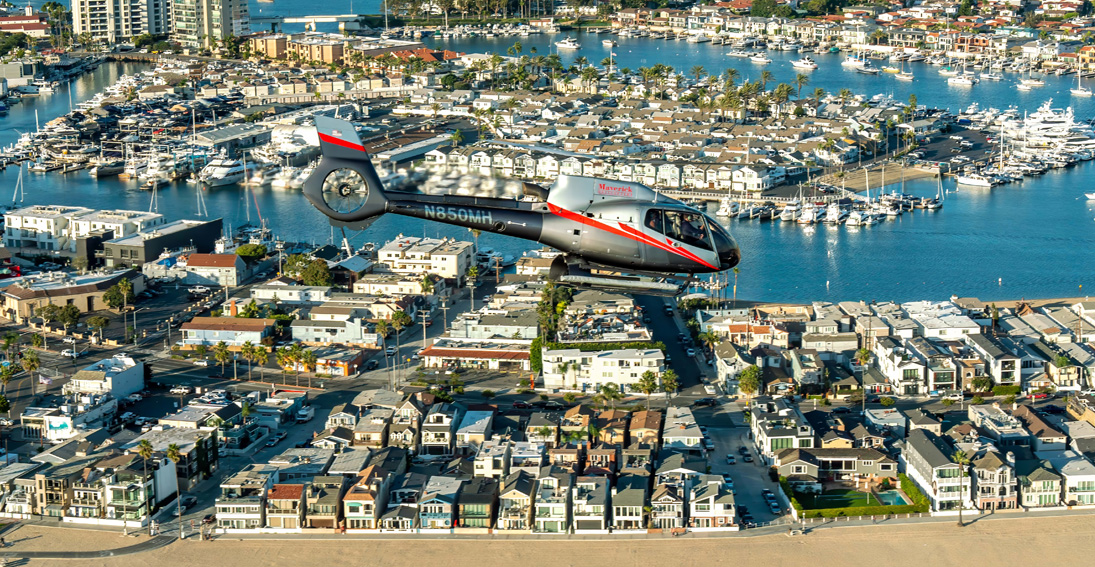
(654, 221)
(688, 228)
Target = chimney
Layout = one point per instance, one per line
(232, 310)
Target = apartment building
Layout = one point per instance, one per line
(113, 20)
(445, 257)
(573, 369)
(203, 23)
(42, 227)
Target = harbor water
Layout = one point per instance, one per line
(1035, 238)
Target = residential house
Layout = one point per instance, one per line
(515, 498)
(637, 459)
(668, 505)
(1077, 477)
(711, 504)
(439, 429)
(929, 464)
(645, 427)
(629, 501)
(602, 460)
(809, 469)
(995, 486)
(1039, 484)
(552, 506)
(285, 506)
(1043, 436)
(1000, 364)
(778, 424)
(437, 506)
(492, 460)
(1006, 430)
(323, 501)
(477, 503)
(474, 430)
(590, 504)
(371, 429)
(367, 499)
(680, 431)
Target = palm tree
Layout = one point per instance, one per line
(731, 75)
(30, 364)
(670, 383)
(819, 93)
(308, 359)
(648, 383)
(765, 76)
(698, 71)
(144, 449)
(736, 272)
(709, 339)
(7, 372)
(609, 394)
(844, 95)
(473, 273)
(175, 456)
(221, 354)
(456, 137)
(400, 319)
(801, 81)
(963, 461)
(262, 356)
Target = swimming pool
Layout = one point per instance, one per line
(891, 498)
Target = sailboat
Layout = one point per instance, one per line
(1079, 89)
(903, 75)
(18, 195)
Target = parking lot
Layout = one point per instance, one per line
(749, 478)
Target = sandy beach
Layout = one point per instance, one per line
(24, 537)
(857, 180)
(1006, 541)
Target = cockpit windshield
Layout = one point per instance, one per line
(684, 227)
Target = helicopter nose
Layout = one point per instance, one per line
(729, 255)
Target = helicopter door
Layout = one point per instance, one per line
(597, 241)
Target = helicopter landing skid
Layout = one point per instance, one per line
(578, 274)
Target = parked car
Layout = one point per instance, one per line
(209, 519)
(521, 405)
(728, 481)
(180, 390)
(708, 444)
(201, 362)
(690, 352)
(372, 364)
(709, 389)
(1041, 395)
(390, 351)
(69, 340)
(199, 289)
(189, 500)
(747, 458)
(554, 406)
(4, 422)
(731, 460)
(703, 402)
(134, 398)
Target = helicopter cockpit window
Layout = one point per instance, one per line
(688, 228)
(654, 220)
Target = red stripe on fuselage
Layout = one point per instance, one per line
(627, 232)
(340, 142)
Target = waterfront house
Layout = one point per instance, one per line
(903, 371)
(629, 501)
(367, 498)
(995, 485)
(667, 505)
(439, 429)
(323, 501)
(437, 505)
(527, 456)
(477, 502)
(680, 469)
(515, 501)
(711, 504)
(602, 460)
(492, 459)
(285, 506)
(552, 505)
(590, 504)
(1077, 477)
(928, 463)
(1039, 483)
(809, 469)
(241, 504)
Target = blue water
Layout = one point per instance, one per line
(1030, 239)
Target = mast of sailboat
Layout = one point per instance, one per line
(18, 194)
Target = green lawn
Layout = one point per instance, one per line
(838, 499)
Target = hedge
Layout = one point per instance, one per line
(594, 347)
(861, 511)
(1006, 390)
(913, 492)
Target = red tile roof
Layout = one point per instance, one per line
(285, 492)
(212, 260)
(477, 353)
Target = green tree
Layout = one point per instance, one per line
(221, 354)
(886, 401)
(608, 395)
(251, 253)
(317, 273)
(201, 351)
(5, 405)
(963, 462)
(457, 137)
(144, 449)
(966, 8)
(295, 264)
(749, 381)
(473, 274)
(98, 323)
(174, 454)
(801, 81)
(763, 8)
(982, 384)
(247, 352)
(648, 383)
(670, 384)
(262, 356)
(7, 372)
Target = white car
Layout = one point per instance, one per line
(201, 362)
(177, 390)
(199, 289)
(70, 353)
(5, 422)
(134, 397)
(69, 340)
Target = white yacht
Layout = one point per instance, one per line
(806, 62)
(853, 61)
(790, 212)
(728, 208)
(904, 76)
(761, 59)
(962, 80)
(609, 43)
(809, 214)
(568, 43)
(222, 172)
(974, 180)
(855, 218)
(834, 214)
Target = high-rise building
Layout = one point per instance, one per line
(203, 23)
(119, 20)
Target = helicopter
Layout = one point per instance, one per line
(651, 243)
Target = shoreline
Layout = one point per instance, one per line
(856, 181)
